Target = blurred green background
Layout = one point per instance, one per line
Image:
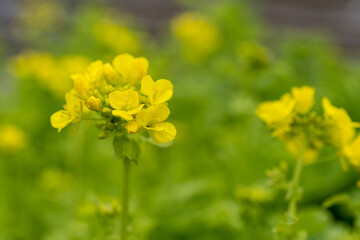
(223, 58)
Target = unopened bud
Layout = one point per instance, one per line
(132, 127)
(106, 112)
(104, 134)
(94, 104)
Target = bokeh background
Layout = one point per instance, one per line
(224, 58)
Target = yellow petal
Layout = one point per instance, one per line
(153, 115)
(163, 91)
(94, 70)
(125, 100)
(132, 69)
(74, 105)
(60, 119)
(138, 70)
(121, 62)
(352, 151)
(122, 114)
(135, 110)
(163, 132)
(147, 86)
(304, 98)
(342, 129)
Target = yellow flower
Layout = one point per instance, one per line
(126, 104)
(72, 113)
(158, 92)
(116, 36)
(304, 98)
(341, 127)
(132, 69)
(83, 82)
(11, 138)
(197, 34)
(277, 114)
(50, 72)
(153, 119)
(352, 152)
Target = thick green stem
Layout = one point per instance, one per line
(293, 191)
(125, 199)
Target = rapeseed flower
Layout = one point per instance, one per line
(304, 132)
(131, 69)
(153, 119)
(72, 112)
(304, 98)
(121, 97)
(341, 129)
(12, 138)
(352, 152)
(50, 72)
(126, 104)
(116, 36)
(156, 92)
(278, 114)
(291, 122)
(198, 36)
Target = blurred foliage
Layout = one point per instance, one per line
(211, 183)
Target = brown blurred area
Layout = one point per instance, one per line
(338, 17)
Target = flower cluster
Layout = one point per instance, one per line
(304, 132)
(122, 96)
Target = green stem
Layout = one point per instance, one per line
(293, 191)
(125, 199)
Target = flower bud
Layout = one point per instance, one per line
(106, 112)
(110, 75)
(94, 104)
(103, 135)
(132, 127)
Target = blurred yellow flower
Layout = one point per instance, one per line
(126, 104)
(72, 113)
(304, 98)
(277, 114)
(50, 72)
(352, 152)
(198, 36)
(12, 138)
(341, 127)
(131, 69)
(152, 119)
(158, 92)
(116, 36)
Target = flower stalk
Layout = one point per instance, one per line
(125, 199)
(294, 191)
